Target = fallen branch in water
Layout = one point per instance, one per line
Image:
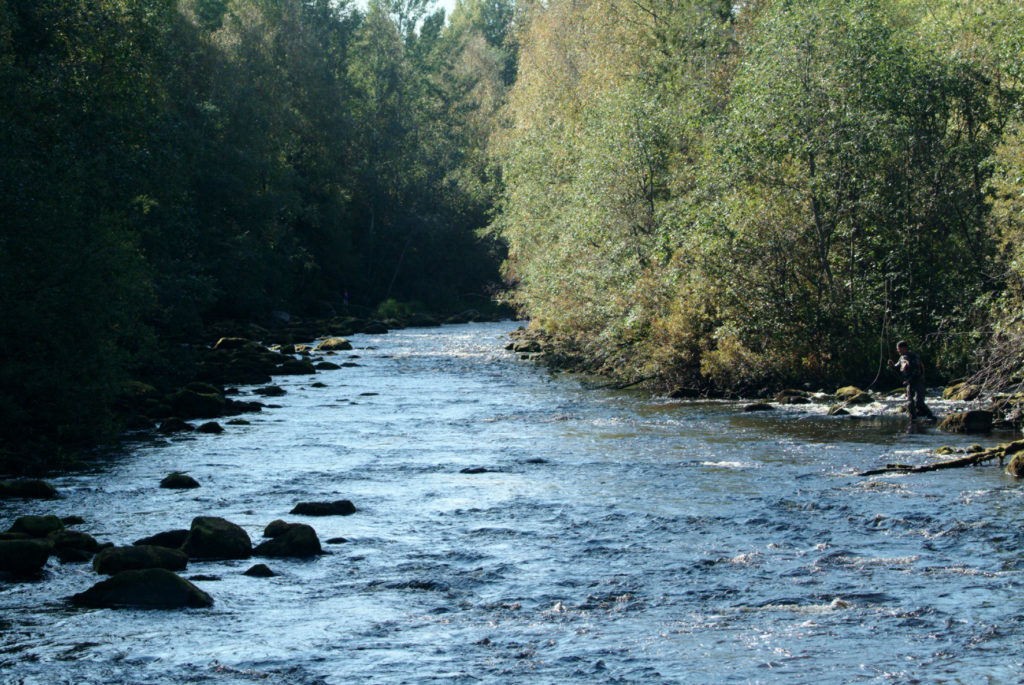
(970, 460)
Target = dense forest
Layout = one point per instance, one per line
(165, 164)
(732, 195)
(715, 196)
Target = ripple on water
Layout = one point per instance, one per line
(612, 538)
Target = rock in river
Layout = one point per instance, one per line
(151, 588)
(260, 571)
(334, 344)
(342, 507)
(26, 488)
(116, 559)
(975, 421)
(212, 537)
(179, 481)
(36, 526)
(296, 540)
(171, 538)
(24, 557)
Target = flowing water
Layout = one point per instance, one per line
(611, 538)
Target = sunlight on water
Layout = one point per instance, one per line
(519, 526)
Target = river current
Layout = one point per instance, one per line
(600, 537)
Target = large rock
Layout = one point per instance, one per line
(189, 404)
(334, 345)
(65, 540)
(296, 540)
(342, 507)
(974, 421)
(26, 488)
(961, 392)
(179, 481)
(116, 559)
(1016, 466)
(172, 539)
(152, 588)
(36, 526)
(212, 537)
(295, 367)
(24, 557)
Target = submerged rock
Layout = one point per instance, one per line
(212, 537)
(178, 481)
(152, 588)
(116, 559)
(297, 540)
(758, 406)
(26, 488)
(342, 507)
(24, 557)
(259, 571)
(172, 539)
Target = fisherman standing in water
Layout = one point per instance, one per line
(911, 368)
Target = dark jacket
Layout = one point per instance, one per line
(911, 368)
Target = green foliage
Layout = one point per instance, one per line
(165, 163)
(737, 194)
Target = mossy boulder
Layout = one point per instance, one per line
(1016, 466)
(190, 404)
(295, 367)
(152, 588)
(334, 345)
(210, 428)
(342, 507)
(26, 488)
(65, 540)
(235, 343)
(961, 392)
(974, 421)
(212, 537)
(172, 539)
(24, 557)
(175, 424)
(116, 559)
(178, 481)
(295, 540)
(36, 526)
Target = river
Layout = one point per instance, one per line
(611, 538)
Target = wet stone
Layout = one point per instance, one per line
(153, 588)
(179, 481)
(341, 507)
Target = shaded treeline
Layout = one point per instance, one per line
(167, 163)
(733, 195)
